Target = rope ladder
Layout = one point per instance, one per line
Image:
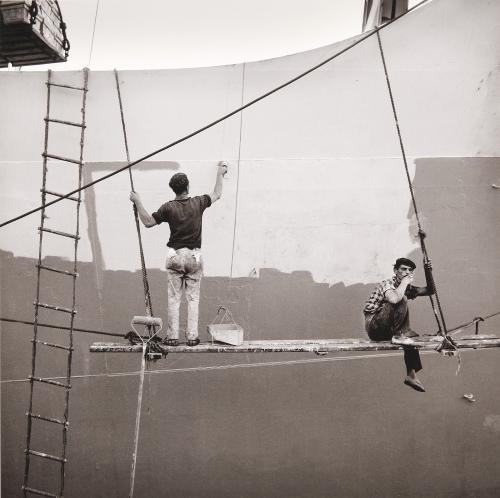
(42, 351)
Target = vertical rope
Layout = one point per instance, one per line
(237, 178)
(147, 294)
(439, 318)
(75, 268)
(137, 420)
(147, 299)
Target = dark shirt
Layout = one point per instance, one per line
(184, 217)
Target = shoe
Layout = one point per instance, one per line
(414, 384)
(404, 337)
(401, 340)
(171, 342)
(193, 342)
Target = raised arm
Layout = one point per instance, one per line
(221, 171)
(428, 290)
(395, 295)
(147, 220)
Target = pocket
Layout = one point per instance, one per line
(191, 265)
(173, 260)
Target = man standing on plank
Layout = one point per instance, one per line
(184, 262)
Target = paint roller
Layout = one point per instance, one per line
(148, 321)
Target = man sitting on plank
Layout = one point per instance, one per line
(387, 316)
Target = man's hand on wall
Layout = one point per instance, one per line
(223, 166)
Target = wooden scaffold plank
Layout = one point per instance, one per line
(302, 346)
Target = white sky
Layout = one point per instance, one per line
(144, 34)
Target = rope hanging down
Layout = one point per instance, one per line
(217, 121)
(147, 294)
(149, 344)
(448, 342)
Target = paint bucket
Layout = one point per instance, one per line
(222, 330)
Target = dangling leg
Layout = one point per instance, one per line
(389, 322)
(413, 365)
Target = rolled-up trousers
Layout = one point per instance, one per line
(184, 272)
(392, 319)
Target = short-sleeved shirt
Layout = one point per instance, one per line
(377, 297)
(184, 217)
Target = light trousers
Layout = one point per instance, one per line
(184, 271)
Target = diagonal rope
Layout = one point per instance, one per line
(217, 121)
(113, 334)
(232, 366)
(61, 327)
(437, 313)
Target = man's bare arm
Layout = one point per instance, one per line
(221, 171)
(147, 220)
(395, 295)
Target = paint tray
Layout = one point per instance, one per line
(225, 329)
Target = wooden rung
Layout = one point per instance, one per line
(61, 158)
(57, 232)
(70, 123)
(39, 492)
(47, 419)
(67, 86)
(49, 381)
(55, 308)
(57, 194)
(52, 345)
(64, 272)
(46, 455)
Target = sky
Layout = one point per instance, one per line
(151, 34)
